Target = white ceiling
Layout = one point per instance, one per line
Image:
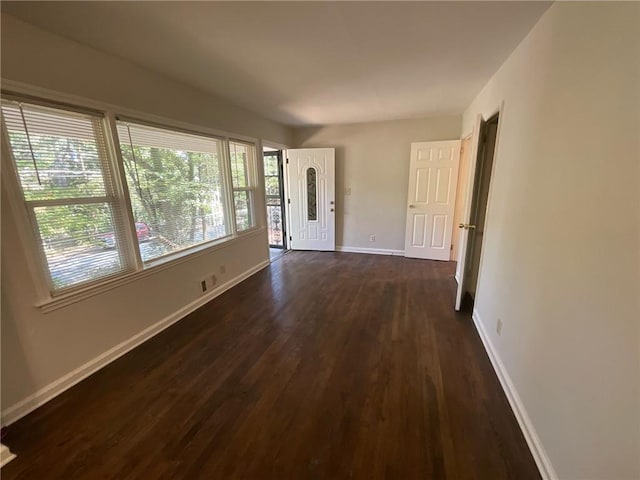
(307, 63)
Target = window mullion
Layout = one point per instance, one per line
(252, 209)
(260, 187)
(126, 231)
(228, 187)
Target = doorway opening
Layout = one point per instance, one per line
(276, 212)
(478, 212)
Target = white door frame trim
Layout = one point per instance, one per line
(499, 110)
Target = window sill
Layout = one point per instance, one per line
(54, 303)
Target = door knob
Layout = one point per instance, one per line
(331, 202)
(412, 206)
(332, 209)
(466, 226)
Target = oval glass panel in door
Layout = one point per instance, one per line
(312, 195)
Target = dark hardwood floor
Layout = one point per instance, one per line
(323, 366)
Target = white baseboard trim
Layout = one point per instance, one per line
(5, 455)
(539, 454)
(372, 251)
(42, 396)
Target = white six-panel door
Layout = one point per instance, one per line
(433, 177)
(311, 177)
(461, 265)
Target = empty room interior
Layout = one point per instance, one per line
(320, 240)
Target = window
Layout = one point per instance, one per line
(62, 166)
(175, 186)
(312, 197)
(185, 190)
(242, 158)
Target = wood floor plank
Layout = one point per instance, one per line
(323, 366)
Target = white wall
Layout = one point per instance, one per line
(372, 159)
(39, 349)
(561, 258)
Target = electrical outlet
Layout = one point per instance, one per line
(223, 269)
(372, 238)
(499, 327)
(208, 283)
(347, 191)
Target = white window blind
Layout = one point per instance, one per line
(176, 188)
(242, 158)
(62, 165)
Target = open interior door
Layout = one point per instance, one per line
(433, 177)
(463, 239)
(311, 177)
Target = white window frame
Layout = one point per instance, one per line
(224, 172)
(252, 181)
(136, 268)
(112, 196)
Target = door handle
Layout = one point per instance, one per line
(466, 226)
(412, 206)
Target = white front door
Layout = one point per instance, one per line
(433, 177)
(311, 177)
